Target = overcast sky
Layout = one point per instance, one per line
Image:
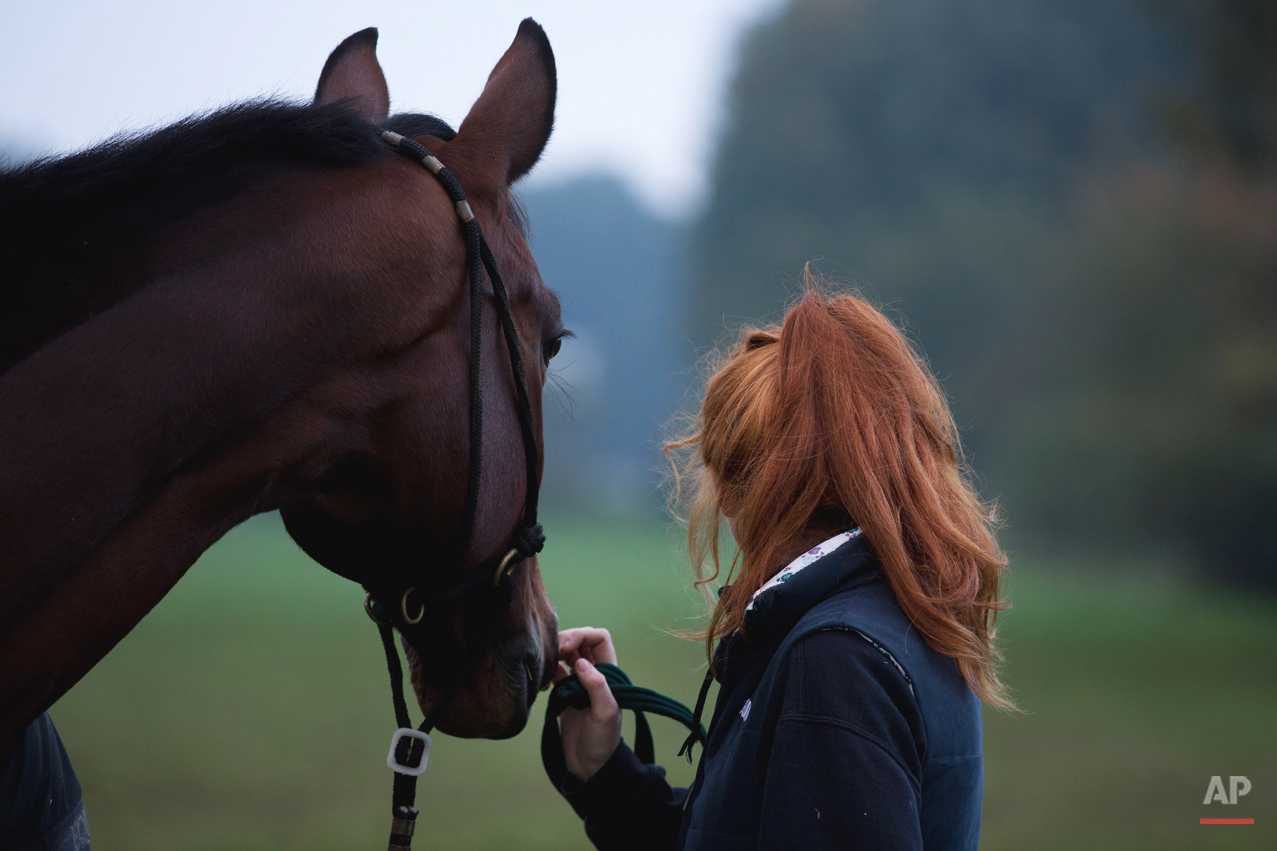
(640, 85)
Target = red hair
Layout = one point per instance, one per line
(831, 420)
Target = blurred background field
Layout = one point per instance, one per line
(1070, 205)
(251, 709)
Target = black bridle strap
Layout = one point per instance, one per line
(478, 258)
(528, 537)
(410, 751)
(532, 468)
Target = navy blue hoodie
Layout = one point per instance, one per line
(836, 727)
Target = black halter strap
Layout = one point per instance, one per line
(410, 748)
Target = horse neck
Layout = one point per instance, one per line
(136, 439)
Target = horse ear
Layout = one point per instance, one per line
(509, 124)
(353, 74)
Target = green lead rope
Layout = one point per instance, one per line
(570, 693)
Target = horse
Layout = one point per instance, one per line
(265, 308)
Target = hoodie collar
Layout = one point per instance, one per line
(842, 560)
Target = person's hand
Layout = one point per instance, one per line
(586, 642)
(590, 736)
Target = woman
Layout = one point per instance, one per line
(854, 641)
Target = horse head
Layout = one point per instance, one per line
(383, 502)
(268, 307)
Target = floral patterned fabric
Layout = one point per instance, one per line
(817, 552)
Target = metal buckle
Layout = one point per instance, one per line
(368, 601)
(403, 609)
(506, 567)
(400, 768)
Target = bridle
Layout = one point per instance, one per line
(410, 747)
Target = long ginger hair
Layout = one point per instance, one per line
(830, 420)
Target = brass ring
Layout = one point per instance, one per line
(368, 611)
(505, 567)
(403, 609)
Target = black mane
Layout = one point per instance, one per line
(66, 223)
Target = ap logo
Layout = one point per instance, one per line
(1237, 786)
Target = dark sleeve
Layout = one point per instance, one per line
(627, 804)
(39, 793)
(844, 766)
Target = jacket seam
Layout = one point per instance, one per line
(895, 663)
(827, 721)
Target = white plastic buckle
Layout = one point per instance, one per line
(408, 733)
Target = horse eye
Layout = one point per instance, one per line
(550, 348)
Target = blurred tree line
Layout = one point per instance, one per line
(619, 273)
(1074, 203)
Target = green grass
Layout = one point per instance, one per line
(251, 708)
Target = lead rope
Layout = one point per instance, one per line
(410, 748)
(698, 730)
(571, 693)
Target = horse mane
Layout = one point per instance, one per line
(67, 224)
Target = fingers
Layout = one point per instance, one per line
(586, 642)
(603, 707)
(591, 736)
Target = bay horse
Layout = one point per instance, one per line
(266, 308)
